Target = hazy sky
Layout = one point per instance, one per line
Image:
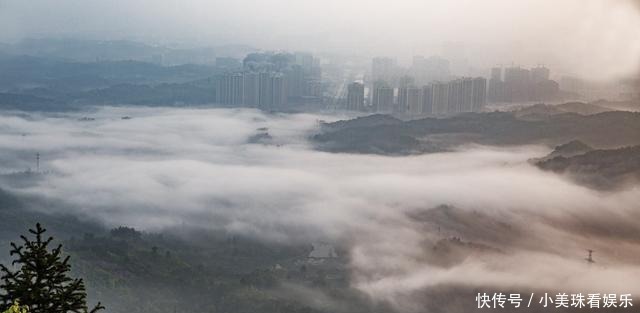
(588, 37)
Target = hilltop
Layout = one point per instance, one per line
(368, 135)
(600, 169)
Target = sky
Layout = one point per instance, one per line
(168, 167)
(593, 38)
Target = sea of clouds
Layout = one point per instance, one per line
(521, 228)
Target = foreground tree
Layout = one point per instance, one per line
(17, 308)
(42, 280)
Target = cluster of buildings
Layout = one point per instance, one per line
(270, 81)
(437, 99)
(252, 89)
(519, 85)
(426, 88)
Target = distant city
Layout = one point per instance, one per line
(427, 87)
(85, 72)
(270, 81)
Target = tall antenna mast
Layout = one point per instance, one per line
(38, 162)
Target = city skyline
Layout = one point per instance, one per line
(429, 86)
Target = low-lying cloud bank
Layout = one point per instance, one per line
(519, 227)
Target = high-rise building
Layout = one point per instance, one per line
(384, 99)
(467, 101)
(230, 89)
(403, 100)
(383, 69)
(496, 86)
(517, 84)
(265, 90)
(457, 96)
(414, 100)
(427, 100)
(237, 89)
(479, 92)
(298, 75)
(522, 85)
(296, 81)
(405, 83)
(279, 91)
(305, 61)
(355, 97)
(316, 70)
(440, 98)
(251, 89)
(543, 88)
(540, 74)
(382, 96)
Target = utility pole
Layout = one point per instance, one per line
(38, 162)
(590, 257)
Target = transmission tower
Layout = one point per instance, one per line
(590, 257)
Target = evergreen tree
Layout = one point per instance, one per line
(42, 280)
(17, 308)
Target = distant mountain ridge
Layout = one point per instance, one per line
(567, 150)
(543, 111)
(87, 50)
(43, 84)
(600, 169)
(23, 72)
(365, 121)
(368, 135)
